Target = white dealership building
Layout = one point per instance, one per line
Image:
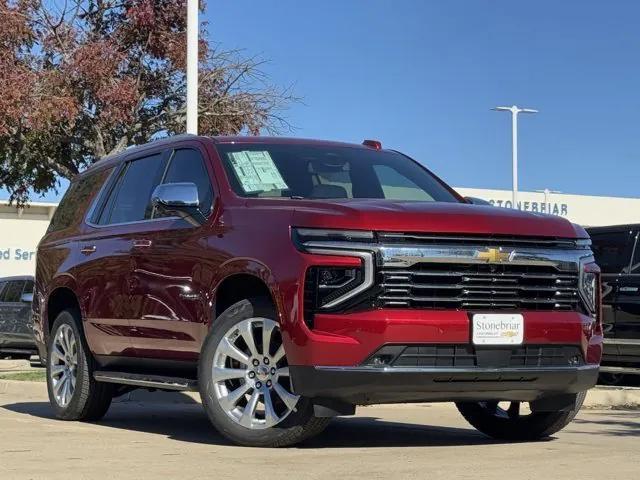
(21, 229)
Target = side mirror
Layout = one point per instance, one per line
(477, 201)
(27, 298)
(179, 199)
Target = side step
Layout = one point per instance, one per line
(624, 370)
(147, 381)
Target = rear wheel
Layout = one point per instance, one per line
(512, 422)
(73, 393)
(245, 384)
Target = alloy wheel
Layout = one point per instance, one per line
(506, 410)
(63, 365)
(251, 376)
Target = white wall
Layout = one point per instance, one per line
(585, 210)
(20, 232)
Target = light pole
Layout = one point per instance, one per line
(514, 143)
(192, 66)
(547, 194)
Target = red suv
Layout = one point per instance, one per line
(290, 280)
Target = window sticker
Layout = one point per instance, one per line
(256, 171)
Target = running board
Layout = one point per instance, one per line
(624, 370)
(147, 381)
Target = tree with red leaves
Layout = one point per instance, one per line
(81, 79)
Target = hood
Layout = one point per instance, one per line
(429, 217)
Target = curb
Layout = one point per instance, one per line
(618, 398)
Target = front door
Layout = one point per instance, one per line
(172, 271)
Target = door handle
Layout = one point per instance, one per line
(142, 243)
(88, 249)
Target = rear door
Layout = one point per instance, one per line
(123, 210)
(10, 308)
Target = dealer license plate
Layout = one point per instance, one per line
(498, 329)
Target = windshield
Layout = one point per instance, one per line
(328, 172)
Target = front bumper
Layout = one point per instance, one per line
(373, 385)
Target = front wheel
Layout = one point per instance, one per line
(511, 422)
(245, 384)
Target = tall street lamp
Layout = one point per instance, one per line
(547, 195)
(514, 142)
(192, 66)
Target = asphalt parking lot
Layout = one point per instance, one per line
(168, 436)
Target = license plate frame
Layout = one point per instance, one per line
(497, 329)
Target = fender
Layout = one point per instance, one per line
(248, 266)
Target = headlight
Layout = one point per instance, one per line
(589, 284)
(328, 284)
(303, 237)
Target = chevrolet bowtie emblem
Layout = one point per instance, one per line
(494, 255)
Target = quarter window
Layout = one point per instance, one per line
(78, 197)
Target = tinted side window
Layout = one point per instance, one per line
(14, 291)
(130, 200)
(187, 165)
(612, 250)
(76, 201)
(2, 285)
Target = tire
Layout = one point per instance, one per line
(85, 399)
(493, 421)
(611, 379)
(245, 420)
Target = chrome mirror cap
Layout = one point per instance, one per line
(175, 195)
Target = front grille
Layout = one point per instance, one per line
(468, 356)
(479, 286)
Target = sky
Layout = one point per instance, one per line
(422, 76)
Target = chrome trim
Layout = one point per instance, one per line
(407, 256)
(170, 384)
(390, 255)
(134, 222)
(444, 371)
(367, 260)
(622, 341)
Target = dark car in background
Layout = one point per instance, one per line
(16, 326)
(617, 252)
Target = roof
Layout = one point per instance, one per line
(110, 160)
(614, 228)
(17, 277)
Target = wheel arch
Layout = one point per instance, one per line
(244, 279)
(60, 298)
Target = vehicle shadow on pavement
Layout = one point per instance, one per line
(622, 423)
(188, 423)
